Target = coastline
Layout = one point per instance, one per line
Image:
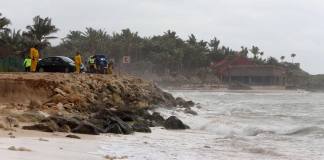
(52, 146)
(160, 144)
(223, 87)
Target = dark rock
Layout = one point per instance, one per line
(188, 104)
(118, 126)
(114, 128)
(126, 116)
(65, 128)
(111, 123)
(61, 121)
(180, 101)
(73, 136)
(87, 128)
(141, 127)
(190, 111)
(49, 126)
(157, 118)
(103, 114)
(183, 103)
(174, 123)
(199, 106)
(64, 121)
(143, 113)
(169, 99)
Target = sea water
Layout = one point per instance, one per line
(234, 125)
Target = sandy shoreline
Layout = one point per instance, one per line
(160, 144)
(51, 146)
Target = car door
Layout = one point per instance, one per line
(59, 65)
(45, 65)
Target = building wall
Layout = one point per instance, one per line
(255, 75)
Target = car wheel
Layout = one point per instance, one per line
(66, 70)
(41, 70)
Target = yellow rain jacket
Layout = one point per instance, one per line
(78, 61)
(34, 55)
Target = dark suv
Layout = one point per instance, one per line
(57, 64)
(101, 63)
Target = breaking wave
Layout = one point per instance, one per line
(305, 131)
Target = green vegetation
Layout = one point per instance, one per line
(160, 54)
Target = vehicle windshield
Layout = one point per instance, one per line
(66, 59)
(100, 56)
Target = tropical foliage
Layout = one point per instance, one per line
(165, 53)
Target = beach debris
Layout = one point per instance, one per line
(73, 136)
(174, 123)
(108, 157)
(22, 149)
(42, 139)
(12, 122)
(207, 147)
(11, 135)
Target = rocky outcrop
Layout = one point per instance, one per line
(175, 123)
(141, 127)
(87, 128)
(89, 104)
(49, 126)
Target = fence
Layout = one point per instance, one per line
(11, 64)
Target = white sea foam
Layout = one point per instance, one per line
(234, 125)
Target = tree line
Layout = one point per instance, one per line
(159, 53)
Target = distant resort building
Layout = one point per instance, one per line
(243, 70)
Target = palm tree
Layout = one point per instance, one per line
(13, 40)
(261, 54)
(282, 58)
(4, 22)
(192, 40)
(39, 32)
(244, 51)
(292, 57)
(94, 40)
(214, 44)
(255, 51)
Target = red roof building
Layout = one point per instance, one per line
(244, 70)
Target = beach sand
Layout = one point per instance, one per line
(49, 146)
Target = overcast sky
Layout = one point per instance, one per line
(278, 27)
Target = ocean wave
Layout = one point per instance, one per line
(263, 151)
(306, 131)
(250, 131)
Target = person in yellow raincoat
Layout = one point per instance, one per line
(110, 67)
(34, 56)
(78, 62)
